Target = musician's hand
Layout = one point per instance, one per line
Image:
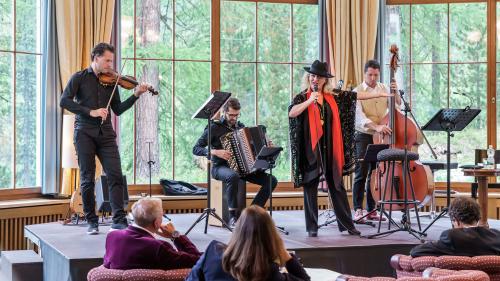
(141, 89)
(394, 86)
(383, 129)
(384, 94)
(270, 143)
(221, 153)
(313, 97)
(101, 112)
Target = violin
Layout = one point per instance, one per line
(128, 82)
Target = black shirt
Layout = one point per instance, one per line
(84, 93)
(218, 129)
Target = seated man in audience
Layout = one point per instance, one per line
(137, 246)
(466, 238)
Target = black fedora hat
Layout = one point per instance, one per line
(319, 68)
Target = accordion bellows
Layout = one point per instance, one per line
(244, 145)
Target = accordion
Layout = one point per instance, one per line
(244, 145)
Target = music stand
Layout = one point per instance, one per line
(371, 157)
(207, 111)
(449, 120)
(266, 159)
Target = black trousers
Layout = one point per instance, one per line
(339, 201)
(362, 174)
(91, 141)
(231, 179)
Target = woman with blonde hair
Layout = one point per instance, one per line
(322, 143)
(254, 253)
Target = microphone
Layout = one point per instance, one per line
(315, 89)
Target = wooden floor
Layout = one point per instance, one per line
(72, 253)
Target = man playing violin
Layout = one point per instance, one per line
(94, 136)
(369, 114)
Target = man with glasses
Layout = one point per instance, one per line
(465, 238)
(220, 167)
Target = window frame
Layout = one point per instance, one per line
(13, 189)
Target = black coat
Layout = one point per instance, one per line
(299, 137)
(473, 241)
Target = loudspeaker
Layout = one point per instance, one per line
(102, 194)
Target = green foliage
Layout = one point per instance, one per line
(264, 89)
(431, 80)
(27, 93)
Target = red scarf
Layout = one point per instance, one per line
(316, 129)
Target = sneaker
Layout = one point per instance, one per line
(358, 216)
(93, 228)
(119, 225)
(375, 217)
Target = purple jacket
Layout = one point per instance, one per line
(134, 248)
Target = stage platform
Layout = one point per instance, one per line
(69, 253)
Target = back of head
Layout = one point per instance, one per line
(254, 245)
(465, 210)
(146, 211)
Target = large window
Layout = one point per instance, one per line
(20, 58)
(263, 47)
(443, 51)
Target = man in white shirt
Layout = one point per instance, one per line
(369, 114)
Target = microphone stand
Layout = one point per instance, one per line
(150, 164)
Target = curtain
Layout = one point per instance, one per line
(352, 33)
(80, 25)
(51, 112)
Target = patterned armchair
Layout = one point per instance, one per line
(104, 274)
(408, 266)
(430, 274)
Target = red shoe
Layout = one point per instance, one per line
(375, 217)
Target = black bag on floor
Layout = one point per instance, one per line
(171, 187)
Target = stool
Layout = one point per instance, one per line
(218, 200)
(389, 157)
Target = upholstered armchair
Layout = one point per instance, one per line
(430, 274)
(104, 274)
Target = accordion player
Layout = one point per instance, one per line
(244, 144)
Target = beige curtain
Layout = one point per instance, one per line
(352, 33)
(80, 25)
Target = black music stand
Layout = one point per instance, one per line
(266, 159)
(207, 111)
(449, 120)
(371, 157)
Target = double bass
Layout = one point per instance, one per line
(421, 175)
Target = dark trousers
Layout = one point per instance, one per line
(362, 176)
(231, 179)
(339, 201)
(90, 142)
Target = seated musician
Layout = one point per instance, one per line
(220, 167)
(465, 238)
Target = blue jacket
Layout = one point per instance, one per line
(209, 267)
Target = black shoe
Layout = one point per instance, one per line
(119, 225)
(93, 228)
(312, 233)
(354, 231)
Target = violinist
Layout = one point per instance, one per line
(88, 98)
(369, 114)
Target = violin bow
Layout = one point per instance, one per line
(114, 88)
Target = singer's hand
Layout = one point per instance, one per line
(101, 112)
(313, 97)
